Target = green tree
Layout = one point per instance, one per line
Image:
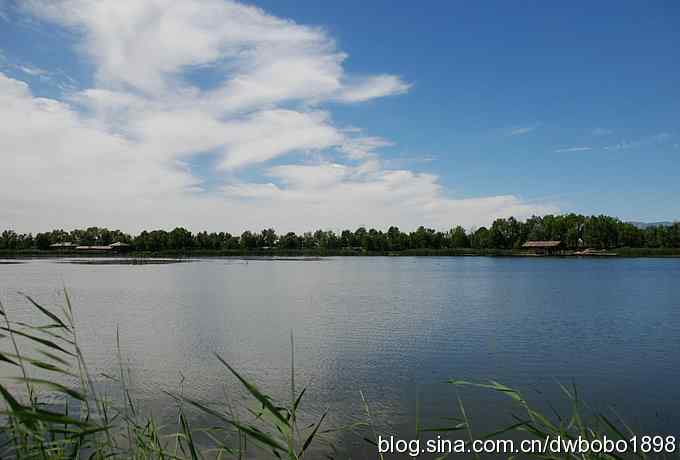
(180, 238)
(268, 238)
(43, 241)
(481, 238)
(8, 240)
(459, 238)
(289, 241)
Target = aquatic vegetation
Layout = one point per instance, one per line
(85, 423)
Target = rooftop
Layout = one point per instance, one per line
(541, 244)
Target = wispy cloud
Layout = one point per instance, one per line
(649, 141)
(521, 130)
(573, 149)
(31, 70)
(374, 87)
(25, 68)
(362, 146)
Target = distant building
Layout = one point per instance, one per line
(120, 247)
(93, 248)
(545, 248)
(64, 245)
(115, 247)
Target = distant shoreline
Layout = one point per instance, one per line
(283, 253)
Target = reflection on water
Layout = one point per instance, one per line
(392, 327)
(122, 261)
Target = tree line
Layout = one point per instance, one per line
(574, 230)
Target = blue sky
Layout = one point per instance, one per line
(451, 113)
(581, 74)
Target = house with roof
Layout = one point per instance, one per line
(544, 248)
(63, 245)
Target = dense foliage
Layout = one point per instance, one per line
(598, 232)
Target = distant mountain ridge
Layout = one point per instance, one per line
(644, 225)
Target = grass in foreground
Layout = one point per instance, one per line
(86, 424)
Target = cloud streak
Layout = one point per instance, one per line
(32, 70)
(573, 149)
(649, 141)
(522, 130)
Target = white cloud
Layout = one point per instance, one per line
(120, 153)
(147, 44)
(373, 87)
(67, 170)
(573, 149)
(362, 146)
(273, 133)
(241, 141)
(342, 196)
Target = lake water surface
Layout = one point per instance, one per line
(391, 327)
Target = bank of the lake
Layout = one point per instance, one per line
(347, 252)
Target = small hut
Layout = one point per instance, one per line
(544, 248)
(63, 246)
(93, 248)
(120, 247)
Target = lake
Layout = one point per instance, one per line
(394, 328)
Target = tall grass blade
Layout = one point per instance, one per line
(257, 394)
(310, 438)
(46, 312)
